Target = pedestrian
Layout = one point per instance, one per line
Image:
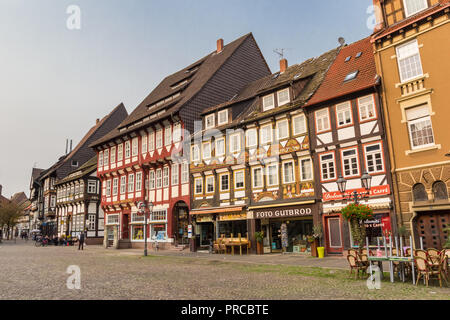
(81, 241)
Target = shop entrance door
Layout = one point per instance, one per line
(333, 234)
(275, 232)
(125, 227)
(206, 233)
(431, 227)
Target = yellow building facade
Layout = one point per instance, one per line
(412, 54)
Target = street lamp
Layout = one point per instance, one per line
(150, 210)
(366, 181)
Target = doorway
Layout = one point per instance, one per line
(181, 222)
(431, 226)
(333, 234)
(125, 227)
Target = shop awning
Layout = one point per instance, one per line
(216, 210)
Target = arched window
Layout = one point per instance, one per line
(419, 192)
(440, 191)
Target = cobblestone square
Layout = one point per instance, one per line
(30, 272)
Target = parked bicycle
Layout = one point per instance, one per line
(41, 242)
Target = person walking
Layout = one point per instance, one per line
(81, 241)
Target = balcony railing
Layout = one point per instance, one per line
(412, 86)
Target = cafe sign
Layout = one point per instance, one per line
(232, 216)
(265, 213)
(374, 191)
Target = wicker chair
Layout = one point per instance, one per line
(421, 253)
(396, 264)
(363, 260)
(408, 252)
(424, 269)
(354, 265)
(433, 252)
(364, 251)
(352, 252)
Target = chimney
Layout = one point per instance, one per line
(70, 145)
(219, 45)
(67, 145)
(97, 121)
(283, 65)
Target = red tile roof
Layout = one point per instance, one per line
(416, 17)
(334, 85)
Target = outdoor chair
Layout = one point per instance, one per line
(424, 269)
(216, 246)
(421, 253)
(408, 252)
(364, 251)
(354, 265)
(444, 261)
(352, 252)
(364, 260)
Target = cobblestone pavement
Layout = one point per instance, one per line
(29, 272)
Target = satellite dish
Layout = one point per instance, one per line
(341, 41)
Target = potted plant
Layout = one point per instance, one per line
(356, 214)
(259, 236)
(317, 250)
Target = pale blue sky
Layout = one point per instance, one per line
(54, 82)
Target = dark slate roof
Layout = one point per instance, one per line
(205, 70)
(35, 173)
(334, 85)
(86, 169)
(82, 152)
(19, 198)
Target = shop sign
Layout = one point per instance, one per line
(190, 231)
(232, 216)
(374, 191)
(282, 213)
(204, 218)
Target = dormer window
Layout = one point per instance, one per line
(268, 102)
(223, 117)
(74, 163)
(351, 75)
(209, 121)
(283, 97)
(414, 6)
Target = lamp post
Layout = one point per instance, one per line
(149, 206)
(366, 180)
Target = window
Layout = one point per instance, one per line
(225, 182)
(123, 184)
(74, 163)
(440, 191)
(268, 102)
(198, 185)
(135, 147)
(168, 136)
(115, 186)
(206, 150)
(414, 6)
(327, 166)
(92, 186)
(112, 219)
(131, 182)
(239, 179)
(91, 222)
(282, 129)
(151, 141)
(108, 188)
(127, 149)
(366, 108)
(251, 137)
(220, 147)
(223, 117)
(419, 127)
(408, 58)
(299, 124)
(166, 177)
(113, 155)
(177, 132)
(374, 158)
(144, 144)
(351, 75)
(288, 172)
(209, 121)
(306, 169)
(185, 173)
(152, 180)
(344, 114)
(210, 184)
(100, 159)
(159, 215)
(272, 174)
(138, 181)
(257, 177)
(195, 153)
(322, 120)
(419, 192)
(235, 143)
(52, 201)
(283, 97)
(120, 152)
(106, 157)
(159, 141)
(175, 174)
(266, 134)
(350, 162)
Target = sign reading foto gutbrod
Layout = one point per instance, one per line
(281, 212)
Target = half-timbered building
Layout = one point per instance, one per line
(348, 139)
(148, 145)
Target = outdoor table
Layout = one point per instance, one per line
(380, 262)
(403, 260)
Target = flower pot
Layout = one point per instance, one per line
(321, 252)
(314, 246)
(259, 248)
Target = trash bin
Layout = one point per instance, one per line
(321, 252)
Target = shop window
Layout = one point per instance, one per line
(419, 192)
(440, 190)
(138, 233)
(158, 232)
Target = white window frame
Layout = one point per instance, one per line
(238, 139)
(269, 175)
(220, 182)
(152, 180)
(108, 188)
(113, 155)
(151, 141)
(349, 159)
(282, 103)
(219, 151)
(207, 184)
(327, 162)
(261, 177)
(195, 153)
(115, 186)
(106, 157)
(251, 132)
(235, 173)
(346, 107)
(195, 185)
(322, 118)
(294, 129)
(265, 105)
(400, 58)
(184, 172)
(311, 173)
(177, 132)
(414, 121)
(144, 144)
(284, 173)
(372, 153)
(168, 135)
(120, 152)
(212, 122)
(221, 112)
(408, 14)
(100, 159)
(135, 147)
(92, 187)
(138, 181)
(175, 174)
(159, 139)
(206, 151)
(166, 174)
(127, 149)
(131, 182)
(285, 122)
(123, 184)
(365, 106)
(270, 135)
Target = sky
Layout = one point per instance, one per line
(55, 80)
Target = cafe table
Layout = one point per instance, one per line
(236, 244)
